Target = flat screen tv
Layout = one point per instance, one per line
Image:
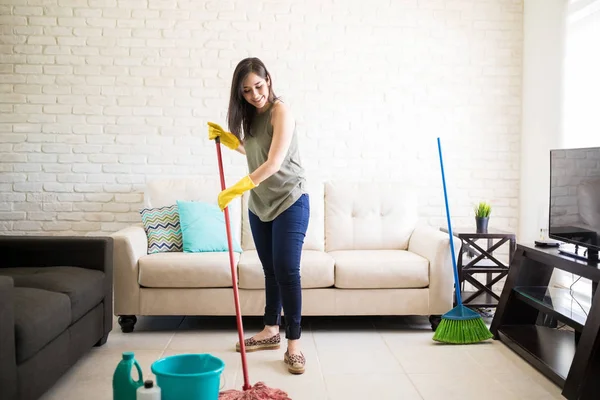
(575, 198)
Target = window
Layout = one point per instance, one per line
(581, 119)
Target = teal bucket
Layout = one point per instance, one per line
(188, 376)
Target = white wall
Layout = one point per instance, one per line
(97, 97)
(543, 49)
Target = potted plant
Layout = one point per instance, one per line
(482, 216)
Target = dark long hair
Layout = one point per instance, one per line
(241, 113)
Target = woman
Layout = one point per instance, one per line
(263, 128)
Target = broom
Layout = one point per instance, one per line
(260, 391)
(461, 325)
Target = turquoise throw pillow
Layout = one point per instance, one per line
(203, 228)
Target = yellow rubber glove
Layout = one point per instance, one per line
(227, 195)
(227, 138)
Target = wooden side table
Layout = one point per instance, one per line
(476, 258)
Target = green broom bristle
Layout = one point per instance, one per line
(462, 331)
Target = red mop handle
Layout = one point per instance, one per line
(233, 274)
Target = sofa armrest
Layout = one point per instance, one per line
(8, 359)
(434, 245)
(130, 244)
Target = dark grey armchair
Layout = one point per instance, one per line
(55, 305)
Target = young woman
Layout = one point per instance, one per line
(263, 128)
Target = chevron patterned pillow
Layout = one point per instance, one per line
(163, 229)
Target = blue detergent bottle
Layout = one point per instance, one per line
(124, 387)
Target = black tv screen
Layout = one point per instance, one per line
(575, 196)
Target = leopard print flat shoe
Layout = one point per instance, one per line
(251, 344)
(295, 362)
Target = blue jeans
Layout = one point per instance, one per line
(279, 246)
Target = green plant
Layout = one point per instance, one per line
(483, 210)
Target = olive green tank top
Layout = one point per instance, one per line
(279, 191)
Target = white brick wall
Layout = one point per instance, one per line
(99, 96)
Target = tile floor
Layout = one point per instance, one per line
(347, 358)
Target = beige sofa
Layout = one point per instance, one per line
(364, 254)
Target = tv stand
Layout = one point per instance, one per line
(570, 358)
(588, 254)
(575, 235)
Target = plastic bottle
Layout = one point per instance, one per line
(124, 387)
(148, 391)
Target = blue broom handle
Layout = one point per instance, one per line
(456, 282)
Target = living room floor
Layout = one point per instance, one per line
(347, 358)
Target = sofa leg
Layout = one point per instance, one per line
(102, 340)
(127, 322)
(435, 321)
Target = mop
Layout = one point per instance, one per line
(461, 325)
(260, 391)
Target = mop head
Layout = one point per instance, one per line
(260, 391)
(461, 325)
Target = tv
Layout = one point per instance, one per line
(574, 216)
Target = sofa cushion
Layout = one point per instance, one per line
(85, 288)
(380, 269)
(186, 270)
(40, 316)
(369, 216)
(316, 270)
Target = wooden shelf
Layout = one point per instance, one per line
(485, 265)
(549, 350)
(483, 300)
(483, 270)
(555, 302)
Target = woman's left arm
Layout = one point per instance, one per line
(283, 129)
